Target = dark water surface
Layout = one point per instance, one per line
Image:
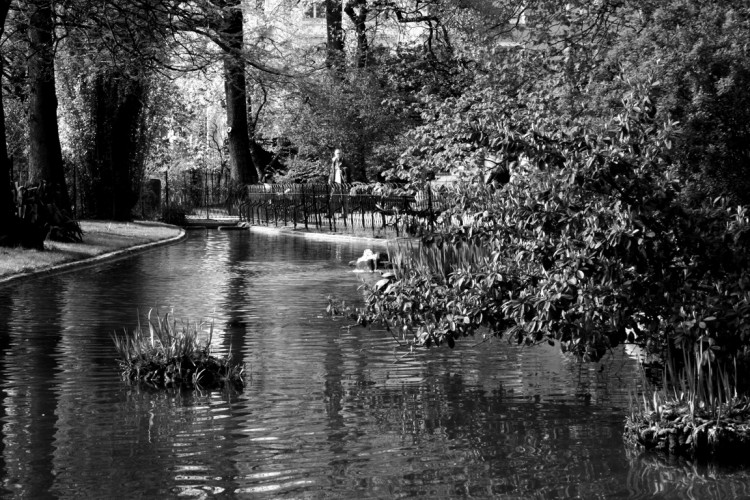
(328, 412)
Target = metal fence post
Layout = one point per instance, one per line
(273, 206)
(430, 215)
(330, 208)
(265, 204)
(316, 209)
(304, 205)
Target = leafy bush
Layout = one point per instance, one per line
(698, 51)
(174, 213)
(589, 244)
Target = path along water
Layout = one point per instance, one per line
(328, 412)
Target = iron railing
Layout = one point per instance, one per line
(338, 208)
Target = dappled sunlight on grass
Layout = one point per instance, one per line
(99, 237)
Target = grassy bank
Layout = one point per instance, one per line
(99, 238)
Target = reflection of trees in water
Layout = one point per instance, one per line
(496, 420)
(324, 405)
(179, 438)
(30, 371)
(487, 439)
(163, 415)
(6, 307)
(651, 473)
(237, 300)
(267, 277)
(559, 376)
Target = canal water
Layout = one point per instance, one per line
(328, 411)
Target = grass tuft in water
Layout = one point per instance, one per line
(170, 354)
(438, 260)
(696, 413)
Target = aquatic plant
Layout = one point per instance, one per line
(170, 353)
(696, 412)
(439, 260)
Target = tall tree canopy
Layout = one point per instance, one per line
(6, 201)
(408, 89)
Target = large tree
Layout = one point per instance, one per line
(6, 201)
(357, 11)
(45, 156)
(222, 22)
(110, 55)
(115, 164)
(231, 40)
(334, 34)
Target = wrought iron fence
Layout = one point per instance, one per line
(201, 192)
(337, 207)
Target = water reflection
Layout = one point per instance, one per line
(654, 475)
(329, 411)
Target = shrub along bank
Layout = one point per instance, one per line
(592, 242)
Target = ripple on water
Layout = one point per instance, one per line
(328, 412)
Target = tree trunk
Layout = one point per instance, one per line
(241, 164)
(335, 35)
(6, 200)
(256, 150)
(358, 18)
(256, 155)
(45, 155)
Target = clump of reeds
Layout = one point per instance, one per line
(170, 354)
(438, 259)
(697, 412)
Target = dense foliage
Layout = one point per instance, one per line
(590, 239)
(609, 219)
(601, 148)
